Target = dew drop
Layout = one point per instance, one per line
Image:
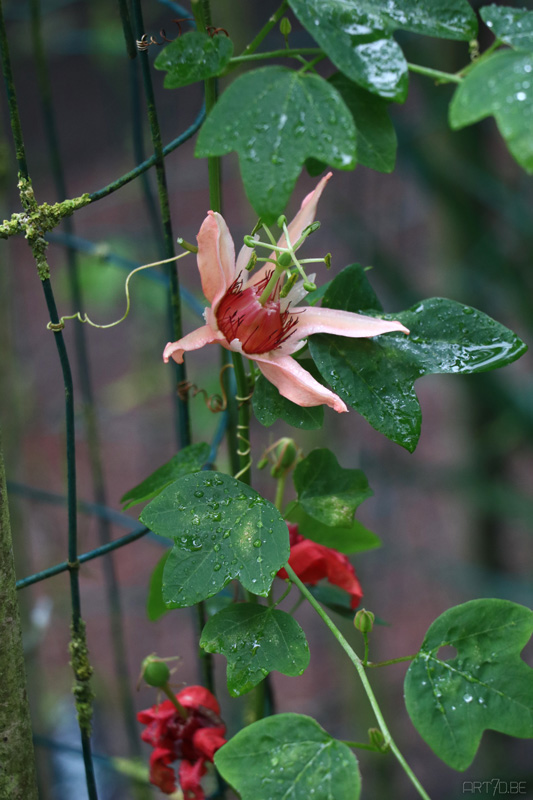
(198, 493)
(258, 543)
(217, 567)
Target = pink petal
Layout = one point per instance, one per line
(296, 384)
(216, 257)
(342, 323)
(193, 341)
(303, 218)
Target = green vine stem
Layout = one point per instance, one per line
(17, 781)
(356, 661)
(28, 202)
(265, 30)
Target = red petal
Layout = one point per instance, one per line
(196, 696)
(189, 777)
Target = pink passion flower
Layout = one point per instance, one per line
(271, 332)
(193, 740)
(312, 562)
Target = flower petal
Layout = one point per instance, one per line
(189, 776)
(196, 696)
(216, 257)
(295, 383)
(193, 341)
(342, 323)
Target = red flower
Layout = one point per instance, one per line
(193, 740)
(312, 562)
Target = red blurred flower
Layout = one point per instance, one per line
(312, 562)
(193, 740)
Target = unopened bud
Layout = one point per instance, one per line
(327, 260)
(286, 457)
(284, 259)
(364, 620)
(261, 464)
(309, 286)
(155, 672)
(285, 26)
(377, 739)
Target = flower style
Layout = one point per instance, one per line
(194, 740)
(270, 331)
(312, 562)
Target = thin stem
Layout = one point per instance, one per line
(284, 595)
(292, 53)
(437, 74)
(390, 661)
(365, 657)
(265, 30)
(181, 407)
(174, 700)
(311, 64)
(488, 52)
(280, 492)
(243, 424)
(356, 661)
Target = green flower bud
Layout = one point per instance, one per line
(286, 455)
(377, 740)
(364, 620)
(155, 672)
(285, 26)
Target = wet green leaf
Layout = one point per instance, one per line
(222, 529)
(376, 376)
(255, 640)
(275, 118)
(190, 459)
(352, 539)
(501, 86)
(351, 290)
(155, 607)
(291, 756)
(357, 36)
(486, 686)
(513, 26)
(328, 492)
(269, 406)
(194, 57)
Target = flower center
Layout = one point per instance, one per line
(259, 328)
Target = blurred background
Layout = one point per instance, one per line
(455, 518)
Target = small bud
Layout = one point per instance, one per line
(155, 672)
(314, 226)
(309, 286)
(327, 260)
(288, 286)
(377, 739)
(364, 620)
(282, 220)
(286, 457)
(252, 262)
(261, 464)
(285, 27)
(284, 259)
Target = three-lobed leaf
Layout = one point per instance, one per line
(291, 756)
(190, 459)
(276, 118)
(222, 529)
(255, 640)
(194, 57)
(512, 26)
(357, 36)
(500, 86)
(376, 376)
(354, 538)
(328, 492)
(486, 686)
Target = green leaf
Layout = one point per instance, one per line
(357, 35)
(155, 607)
(269, 406)
(222, 529)
(486, 686)
(275, 118)
(194, 57)
(376, 376)
(513, 26)
(190, 459)
(351, 290)
(289, 756)
(353, 539)
(328, 492)
(501, 86)
(255, 641)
